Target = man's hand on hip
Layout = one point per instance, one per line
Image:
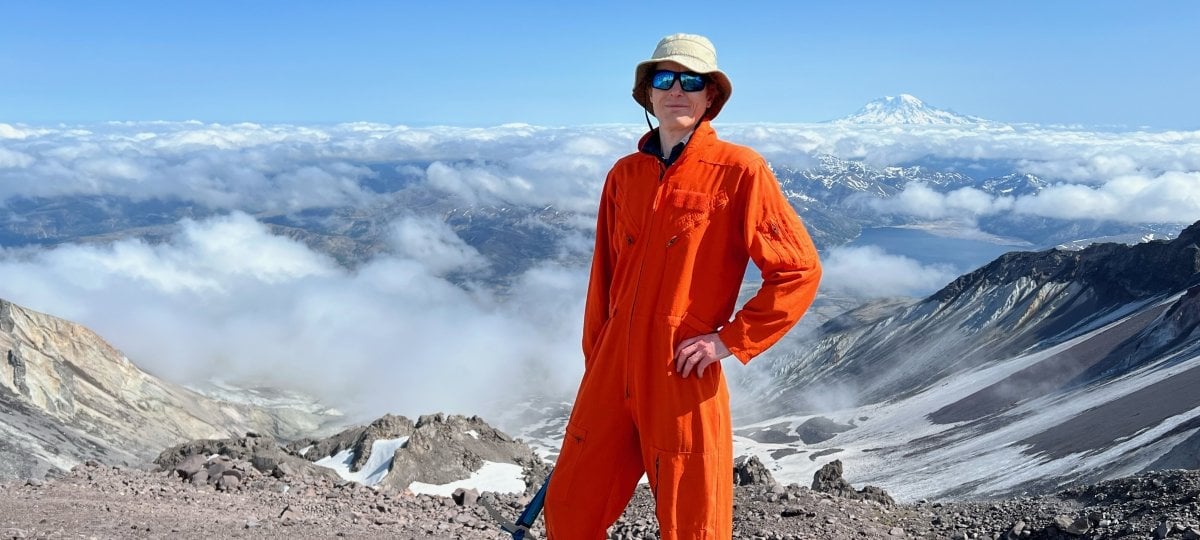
(697, 353)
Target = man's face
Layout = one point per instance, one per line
(676, 109)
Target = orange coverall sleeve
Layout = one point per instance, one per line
(595, 311)
(781, 248)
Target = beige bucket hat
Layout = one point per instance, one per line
(694, 52)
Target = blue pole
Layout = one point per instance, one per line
(530, 515)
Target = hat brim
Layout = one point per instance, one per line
(641, 82)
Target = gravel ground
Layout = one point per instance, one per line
(98, 501)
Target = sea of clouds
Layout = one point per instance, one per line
(225, 297)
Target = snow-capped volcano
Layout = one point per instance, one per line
(906, 109)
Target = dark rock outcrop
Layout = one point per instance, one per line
(444, 448)
(438, 449)
(829, 480)
(18, 368)
(819, 429)
(750, 471)
(359, 439)
(7, 324)
(773, 434)
(264, 454)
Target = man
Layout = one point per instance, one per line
(678, 221)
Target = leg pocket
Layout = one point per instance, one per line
(594, 478)
(568, 459)
(560, 510)
(687, 492)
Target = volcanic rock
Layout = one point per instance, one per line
(819, 429)
(829, 480)
(750, 471)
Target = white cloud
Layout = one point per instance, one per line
(434, 243)
(871, 272)
(1070, 157)
(9, 131)
(475, 185)
(10, 159)
(224, 297)
(285, 168)
(1171, 197)
(112, 168)
(920, 200)
(313, 187)
(204, 258)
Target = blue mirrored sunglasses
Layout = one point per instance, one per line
(690, 82)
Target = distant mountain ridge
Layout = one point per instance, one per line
(1020, 300)
(906, 109)
(837, 199)
(835, 196)
(1050, 355)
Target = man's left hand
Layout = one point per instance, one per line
(697, 353)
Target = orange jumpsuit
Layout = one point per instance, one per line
(672, 246)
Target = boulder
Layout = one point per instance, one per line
(819, 429)
(189, 466)
(465, 497)
(750, 471)
(829, 480)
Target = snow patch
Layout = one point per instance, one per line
(376, 467)
(494, 477)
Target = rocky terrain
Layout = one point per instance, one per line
(67, 395)
(238, 500)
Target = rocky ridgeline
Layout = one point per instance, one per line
(263, 454)
(1157, 505)
(94, 500)
(439, 448)
(66, 396)
(254, 487)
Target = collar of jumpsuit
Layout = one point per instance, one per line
(652, 144)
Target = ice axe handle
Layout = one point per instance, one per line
(530, 515)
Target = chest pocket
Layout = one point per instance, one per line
(690, 209)
(626, 231)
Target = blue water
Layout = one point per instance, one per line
(964, 255)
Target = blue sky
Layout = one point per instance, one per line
(1125, 64)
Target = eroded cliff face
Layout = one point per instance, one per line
(66, 395)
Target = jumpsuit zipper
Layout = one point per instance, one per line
(657, 477)
(662, 173)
